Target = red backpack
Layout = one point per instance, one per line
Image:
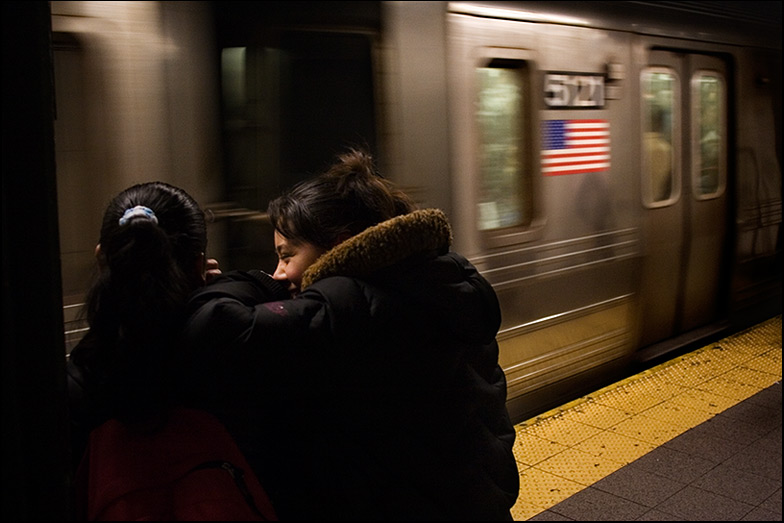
(192, 470)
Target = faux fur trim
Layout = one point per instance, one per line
(383, 245)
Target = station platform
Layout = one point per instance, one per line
(697, 438)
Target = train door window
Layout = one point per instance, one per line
(660, 125)
(505, 151)
(290, 103)
(326, 98)
(708, 135)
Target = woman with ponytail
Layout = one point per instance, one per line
(139, 453)
(375, 392)
(150, 257)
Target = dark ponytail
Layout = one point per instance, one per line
(350, 197)
(152, 237)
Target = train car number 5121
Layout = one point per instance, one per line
(574, 91)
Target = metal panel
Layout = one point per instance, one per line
(685, 234)
(566, 284)
(708, 212)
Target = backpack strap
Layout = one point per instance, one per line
(238, 476)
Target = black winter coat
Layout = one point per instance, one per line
(374, 394)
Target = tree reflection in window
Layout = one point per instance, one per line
(708, 108)
(504, 157)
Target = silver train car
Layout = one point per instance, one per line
(612, 168)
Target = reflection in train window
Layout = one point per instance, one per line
(659, 124)
(504, 155)
(289, 104)
(708, 135)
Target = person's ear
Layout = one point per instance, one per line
(200, 269)
(100, 257)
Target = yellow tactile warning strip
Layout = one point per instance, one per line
(567, 449)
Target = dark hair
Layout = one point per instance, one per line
(342, 202)
(151, 239)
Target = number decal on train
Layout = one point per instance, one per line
(574, 91)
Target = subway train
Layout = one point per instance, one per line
(612, 168)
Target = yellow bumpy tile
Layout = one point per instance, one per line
(704, 400)
(596, 415)
(578, 466)
(568, 434)
(677, 414)
(543, 489)
(616, 447)
(648, 429)
(530, 449)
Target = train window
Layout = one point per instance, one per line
(660, 123)
(708, 136)
(504, 153)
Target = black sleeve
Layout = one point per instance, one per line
(237, 318)
(247, 287)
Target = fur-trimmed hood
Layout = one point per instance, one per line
(384, 245)
(410, 254)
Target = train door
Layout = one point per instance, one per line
(684, 178)
(297, 89)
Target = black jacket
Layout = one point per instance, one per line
(374, 394)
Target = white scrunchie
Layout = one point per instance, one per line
(139, 210)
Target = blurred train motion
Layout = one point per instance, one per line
(613, 168)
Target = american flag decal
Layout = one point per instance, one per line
(575, 146)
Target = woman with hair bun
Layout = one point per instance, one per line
(375, 392)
